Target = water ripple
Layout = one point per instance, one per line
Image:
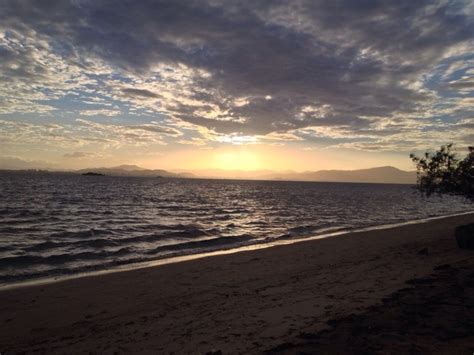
(62, 224)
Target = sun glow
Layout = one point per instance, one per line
(237, 160)
(260, 157)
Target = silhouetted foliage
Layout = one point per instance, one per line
(442, 172)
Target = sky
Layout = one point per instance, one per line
(247, 85)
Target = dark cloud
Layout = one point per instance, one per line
(153, 129)
(468, 139)
(462, 84)
(359, 59)
(140, 93)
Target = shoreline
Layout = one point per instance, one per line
(246, 302)
(231, 250)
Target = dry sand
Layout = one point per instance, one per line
(280, 299)
(432, 315)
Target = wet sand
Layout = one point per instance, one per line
(300, 297)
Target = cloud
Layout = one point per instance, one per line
(140, 92)
(114, 135)
(240, 69)
(153, 128)
(100, 112)
(84, 133)
(464, 83)
(79, 155)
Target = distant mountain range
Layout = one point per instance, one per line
(384, 174)
(134, 170)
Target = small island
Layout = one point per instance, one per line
(90, 173)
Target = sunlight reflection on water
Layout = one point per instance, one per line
(63, 224)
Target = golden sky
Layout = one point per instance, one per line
(287, 85)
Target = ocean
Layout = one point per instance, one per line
(53, 225)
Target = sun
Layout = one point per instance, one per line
(237, 160)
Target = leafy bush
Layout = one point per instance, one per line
(443, 172)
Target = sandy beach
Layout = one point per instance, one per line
(320, 296)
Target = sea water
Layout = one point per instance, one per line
(63, 224)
